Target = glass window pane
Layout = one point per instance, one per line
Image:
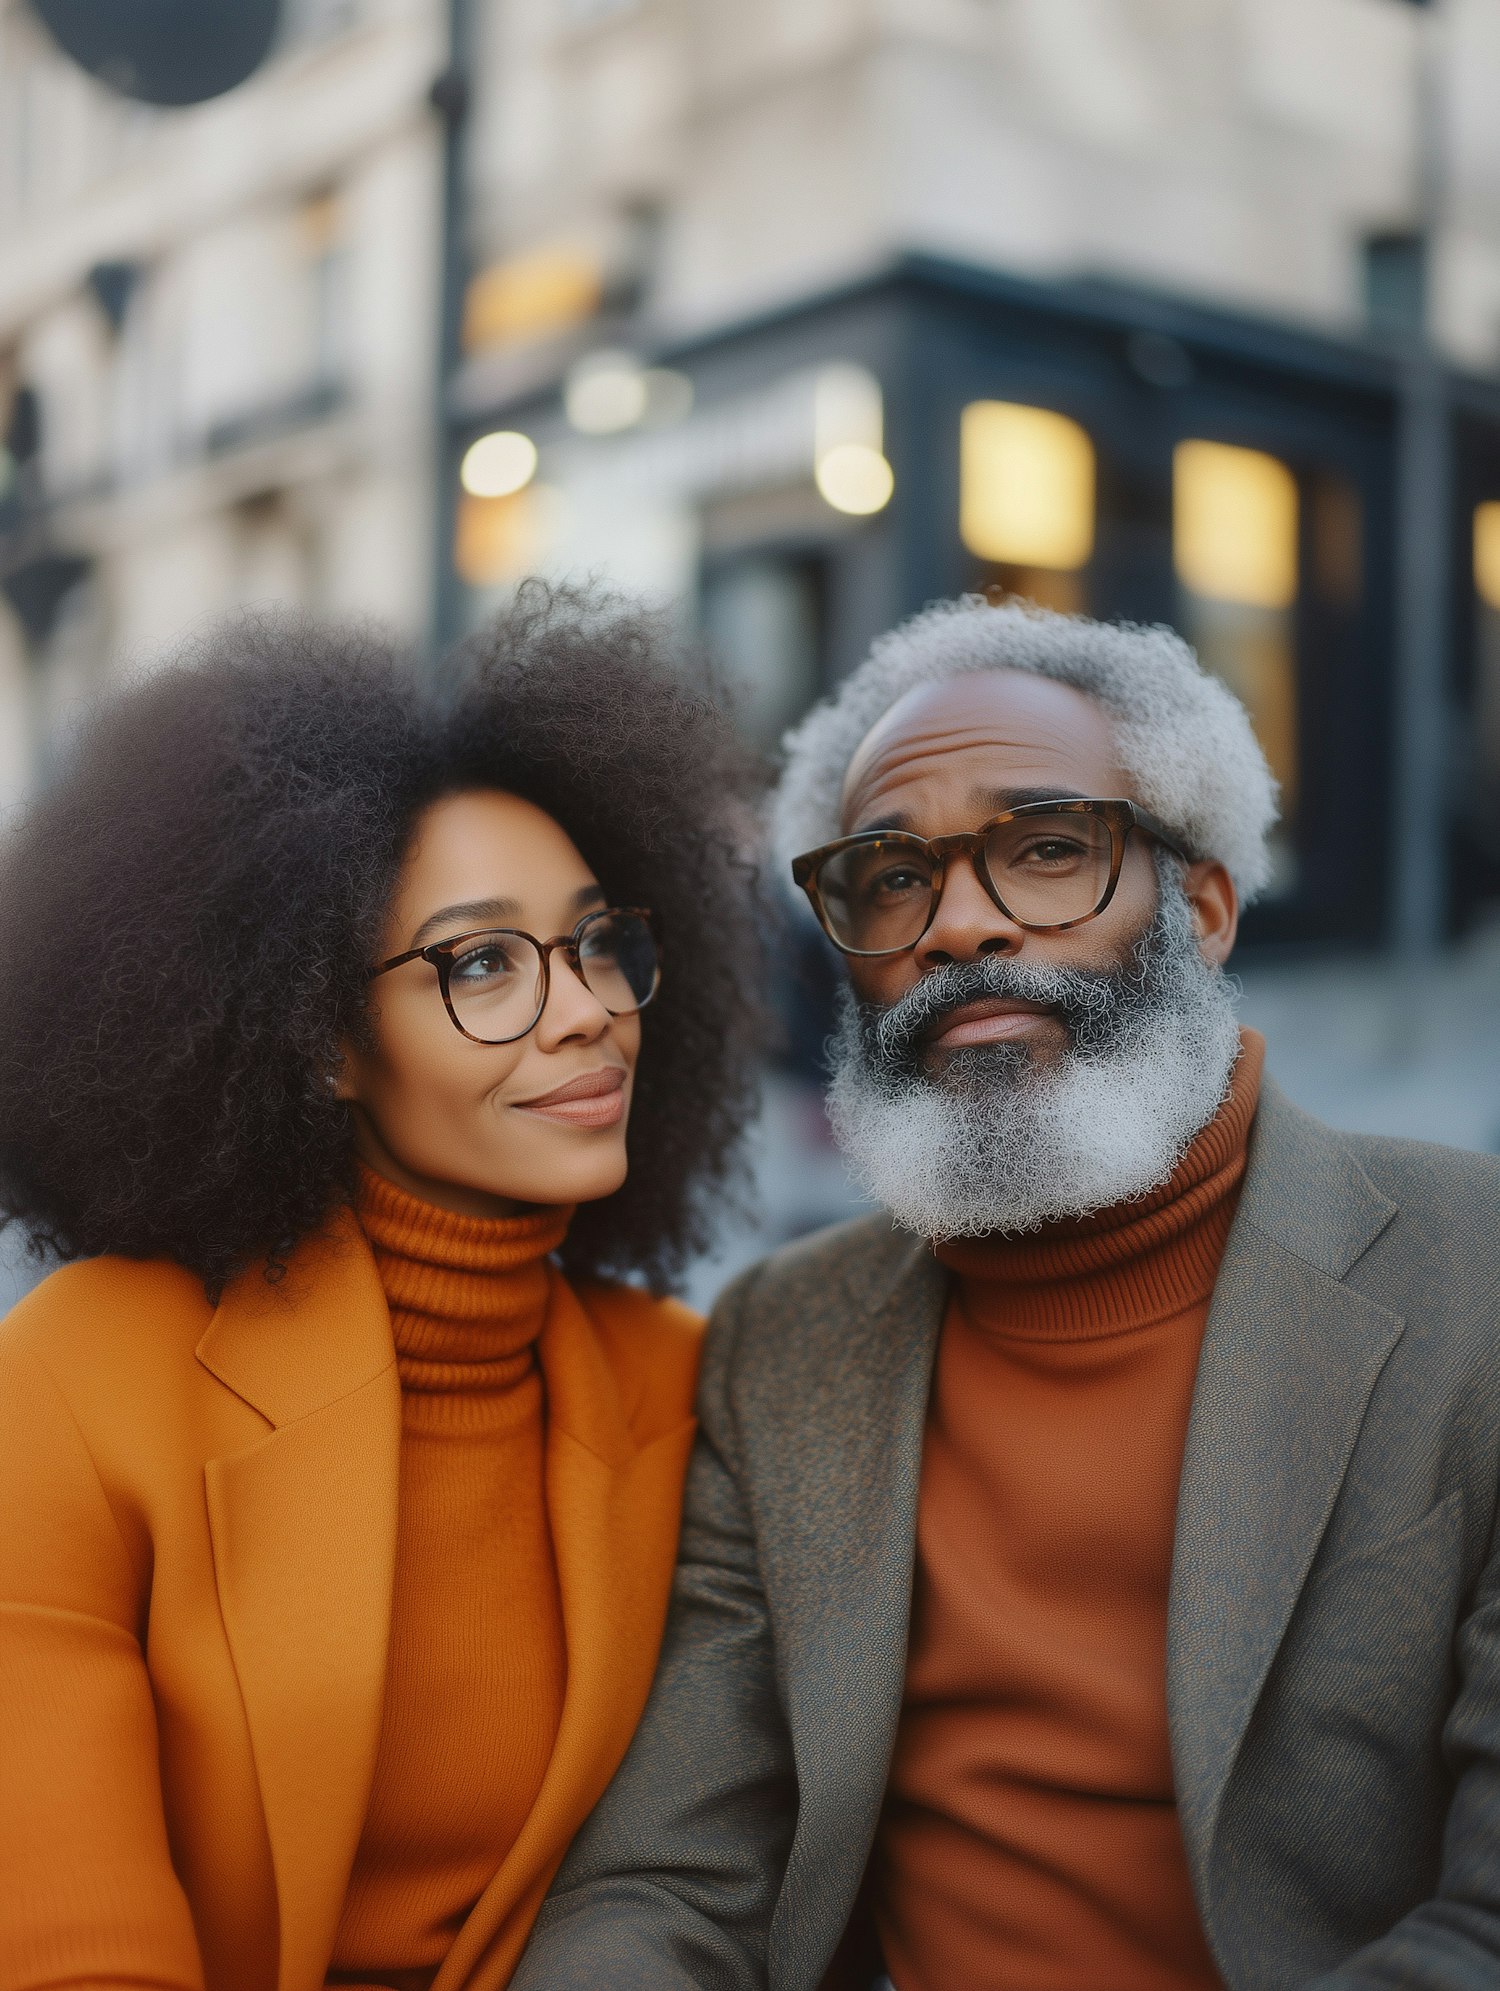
(1026, 486)
(1234, 524)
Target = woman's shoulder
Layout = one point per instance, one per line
(91, 1316)
(652, 1343)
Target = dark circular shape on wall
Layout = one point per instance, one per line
(165, 51)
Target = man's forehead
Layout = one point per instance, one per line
(992, 729)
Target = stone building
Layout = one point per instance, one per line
(798, 314)
(216, 349)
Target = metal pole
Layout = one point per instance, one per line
(450, 99)
(1423, 518)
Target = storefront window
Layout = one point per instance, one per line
(1027, 499)
(1487, 672)
(1235, 548)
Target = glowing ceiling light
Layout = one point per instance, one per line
(854, 478)
(848, 406)
(498, 464)
(1026, 486)
(1234, 524)
(668, 397)
(1487, 552)
(606, 392)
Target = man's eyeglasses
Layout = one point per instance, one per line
(1046, 865)
(495, 982)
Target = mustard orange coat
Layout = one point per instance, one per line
(197, 1540)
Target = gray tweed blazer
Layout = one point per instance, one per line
(1333, 1670)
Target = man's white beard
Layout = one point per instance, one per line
(992, 1141)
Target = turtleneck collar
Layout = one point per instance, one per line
(1129, 1266)
(468, 1295)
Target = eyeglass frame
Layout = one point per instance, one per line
(1120, 815)
(440, 954)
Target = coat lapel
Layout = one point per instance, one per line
(1289, 1359)
(304, 1539)
(614, 1510)
(847, 1445)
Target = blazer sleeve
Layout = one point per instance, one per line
(88, 1895)
(671, 1884)
(1451, 1941)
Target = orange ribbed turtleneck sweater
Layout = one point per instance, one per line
(1030, 1835)
(476, 1666)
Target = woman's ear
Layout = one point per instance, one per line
(343, 1081)
(1210, 892)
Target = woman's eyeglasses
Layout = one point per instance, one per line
(1046, 865)
(494, 982)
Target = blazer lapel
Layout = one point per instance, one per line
(304, 1538)
(1289, 1359)
(614, 1511)
(840, 1541)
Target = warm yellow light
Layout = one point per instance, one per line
(1026, 486)
(498, 464)
(856, 479)
(500, 539)
(1487, 552)
(605, 392)
(531, 295)
(1234, 524)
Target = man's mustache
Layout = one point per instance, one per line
(1081, 998)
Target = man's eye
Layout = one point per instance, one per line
(892, 883)
(1051, 851)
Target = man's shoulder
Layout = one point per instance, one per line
(1412, 1225)
(1417, 1177)
(1416, 1173)
(843, 1265)
(817, 1297)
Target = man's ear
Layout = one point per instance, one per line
(1210, 892)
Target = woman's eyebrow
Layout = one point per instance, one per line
(469, 912)
(493, 912)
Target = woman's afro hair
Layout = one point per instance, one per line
(189, 912)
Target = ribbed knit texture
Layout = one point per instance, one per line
(477, 1665)
(1030, 1836)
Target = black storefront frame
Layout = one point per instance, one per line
(939, 334)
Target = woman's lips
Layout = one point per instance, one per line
(597, 1099)
(994, 1021)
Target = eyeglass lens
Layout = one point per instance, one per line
(496, 984)
(1046, 869)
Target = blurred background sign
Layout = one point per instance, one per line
(165, 51)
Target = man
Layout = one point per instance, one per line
(1090, 1582)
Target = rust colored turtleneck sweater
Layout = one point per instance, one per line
(1030, 1839)
(475, 1674)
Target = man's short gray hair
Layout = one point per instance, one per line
(1183, 738)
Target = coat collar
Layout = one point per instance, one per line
(614, 1508)
(837, 1524)
(304, 1537)
(1290, 1357)
(304, 1534)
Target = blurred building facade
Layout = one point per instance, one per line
(216, 349)
(813, 311)
(799, 315)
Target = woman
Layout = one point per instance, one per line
(350, 1038)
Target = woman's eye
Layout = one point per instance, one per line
(485, 964)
